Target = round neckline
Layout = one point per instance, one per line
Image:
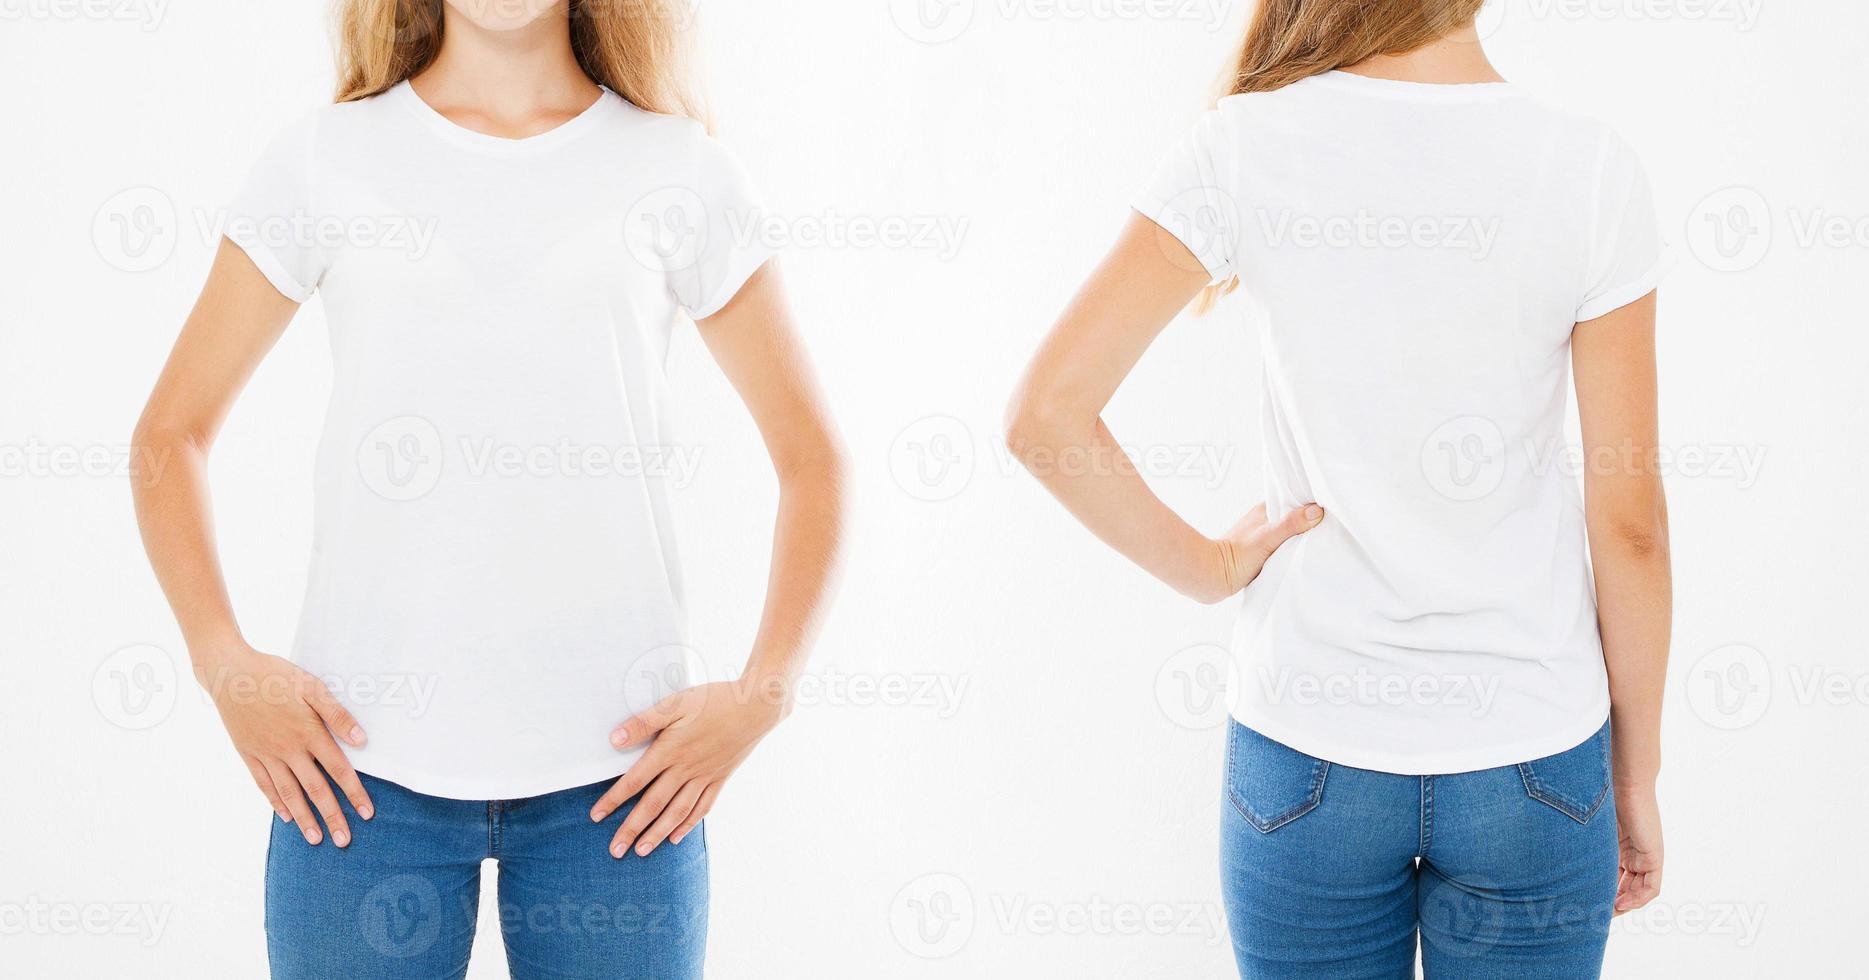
(405, 93)
(1420, 91)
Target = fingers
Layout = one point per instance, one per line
(319, 789)
(672, 817)
(1261, 545)
(1637, 889)
(335, 715)
(646, 769)
(698, 814)
(644, 726)
(265, 783)
(650, 806)
(339, 769)
(288, 786)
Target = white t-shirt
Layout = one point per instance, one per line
(494, 585)
(1415, 257)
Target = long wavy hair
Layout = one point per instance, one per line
(1289, 40)
(635, 48)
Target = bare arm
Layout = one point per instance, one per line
(1627, 515)
(275, 713)
(703, 734)
(1056, 414)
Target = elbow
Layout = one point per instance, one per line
(1033, 423)
(155, 443)
(1640, 534)
(1645, 540)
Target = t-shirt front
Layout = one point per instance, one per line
(494, 584)
(1414, 258)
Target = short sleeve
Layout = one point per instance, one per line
(1188, 197)
(726, 230)
(273, 217)
(1627, 258)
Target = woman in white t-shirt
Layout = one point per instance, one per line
(507, 211)
(1426, 677)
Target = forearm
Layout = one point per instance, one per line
(174, 512)
(1085, 468)
(1634, 586)
(807, 542)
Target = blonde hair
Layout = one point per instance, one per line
(635, 48)
(1289, 40)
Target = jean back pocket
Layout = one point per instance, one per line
(1574, 782)
(1270, 783)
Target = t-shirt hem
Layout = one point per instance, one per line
(1437, 763)
(478, 788)
(1621, 296)
(736, 276)
(1156, 210)
(274, 271)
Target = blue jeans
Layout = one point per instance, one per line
(402, 900)
(1333, 872)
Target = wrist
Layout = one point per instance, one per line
(214, 663)
(1209, 577)
(771, 695)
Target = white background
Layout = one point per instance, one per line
(1040, 796)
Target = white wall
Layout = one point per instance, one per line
(1040, 779)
